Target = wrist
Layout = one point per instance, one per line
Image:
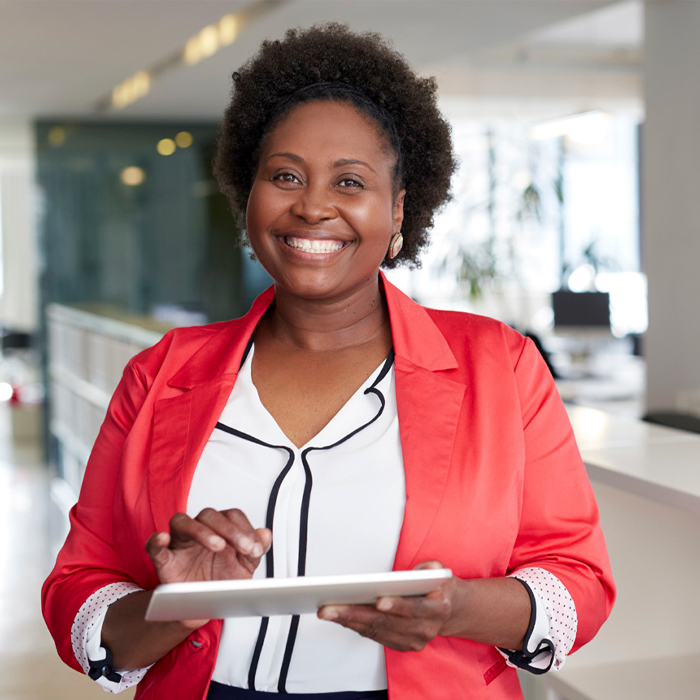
(455, 623)
(189, 626)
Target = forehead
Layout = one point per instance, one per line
(325, 126)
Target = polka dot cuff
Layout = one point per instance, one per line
(552, 630)
(86, 633)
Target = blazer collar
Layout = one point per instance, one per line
(415, 336)
(221, 355)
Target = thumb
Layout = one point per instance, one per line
(432, 564)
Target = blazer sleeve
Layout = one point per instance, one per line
(559, 526)
(75, 576)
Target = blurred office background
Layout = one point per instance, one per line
(574, 217)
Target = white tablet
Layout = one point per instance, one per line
(283, 596)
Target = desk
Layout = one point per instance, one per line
(647, 482)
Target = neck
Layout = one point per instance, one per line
(323, 326)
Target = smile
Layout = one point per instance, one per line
(313, 245)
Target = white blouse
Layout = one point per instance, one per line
(335, 506)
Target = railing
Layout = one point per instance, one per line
(88, 348)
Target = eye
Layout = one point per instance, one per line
(350, 182)
(285, 178)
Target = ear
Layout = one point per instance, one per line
(398, 210)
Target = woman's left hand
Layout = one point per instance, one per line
(404, 624)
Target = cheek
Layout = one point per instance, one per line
(374, 218)
(261, 211)
(253, 209)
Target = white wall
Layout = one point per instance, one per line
(19, 269)
(671, 202)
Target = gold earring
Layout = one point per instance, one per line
(395, 245)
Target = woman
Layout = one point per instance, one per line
(366, 432)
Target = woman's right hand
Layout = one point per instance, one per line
(216, 545)
(213, 546)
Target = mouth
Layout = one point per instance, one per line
(315, 246)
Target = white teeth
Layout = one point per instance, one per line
(313, 245)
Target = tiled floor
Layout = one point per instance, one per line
(29, 666)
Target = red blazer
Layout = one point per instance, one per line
(494, 482)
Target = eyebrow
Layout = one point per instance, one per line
(352, 161)
(337, 164)
(292, 156)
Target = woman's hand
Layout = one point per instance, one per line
(494, 611)
(214, 546)
(404, 624)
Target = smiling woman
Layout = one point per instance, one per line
(337, 428)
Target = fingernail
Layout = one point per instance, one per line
(329, 614)
(257, 550)
(246, 544)
(217, 541)
(384, 604)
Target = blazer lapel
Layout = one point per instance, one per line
(428, 404)
(183, 423)
(181, 427)
(428, 407)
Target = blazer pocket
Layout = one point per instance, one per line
(495, 671)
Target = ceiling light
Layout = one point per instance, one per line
(132, 176)
(166, 147)
(209, 40)
(202, 45)
(131, 89)
(141, 83)
(193, 51)
(228, 30)
(205, 43)
(119, 96)
(183, 139)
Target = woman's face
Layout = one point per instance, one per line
(322, 208)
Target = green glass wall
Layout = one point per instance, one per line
(122, 224)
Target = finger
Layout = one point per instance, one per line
(432, 564)
(235, 529)
(404, 607)
(157, 548)
(186, 531)
(265, 538)
(354, 616)
(433, 606)
(390, 631)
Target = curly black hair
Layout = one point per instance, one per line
(333, 63)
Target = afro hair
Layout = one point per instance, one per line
(331, 62)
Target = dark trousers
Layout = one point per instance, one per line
(218, 691)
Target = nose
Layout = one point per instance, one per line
(314, 205)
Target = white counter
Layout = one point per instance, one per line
(647, 482)
(652, 461)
